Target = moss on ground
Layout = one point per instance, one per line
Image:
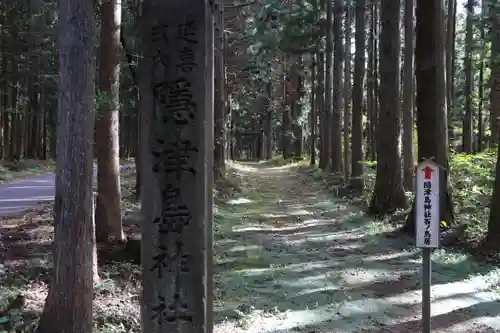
(471, 180)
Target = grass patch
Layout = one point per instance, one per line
(129, 201)
(471, 180)
(279, 160)
(11, 170)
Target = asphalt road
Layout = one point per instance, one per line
(21, 195)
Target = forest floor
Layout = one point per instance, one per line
(25, 270)
(289, 257)
(292, 258)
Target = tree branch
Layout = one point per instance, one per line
(241, 5)
(129, 59)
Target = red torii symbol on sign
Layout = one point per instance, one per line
(428, 171)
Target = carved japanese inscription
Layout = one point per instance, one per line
(180, 123)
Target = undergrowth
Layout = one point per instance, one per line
(10, 170)
(471, 180)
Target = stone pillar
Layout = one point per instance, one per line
(177, 167)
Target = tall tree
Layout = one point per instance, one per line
(431, 98)
(358, 98)
(408, 95)
(321, 94)
(482, 55)
(108, 205)
(347, 88)
(389, 193)
(469, 81)
(68, 307)
(450, 58)
(328, 107)
(219, 106)
(371, 94)
(494, 219)
(495, 72)
(338, 55)
(313, 116)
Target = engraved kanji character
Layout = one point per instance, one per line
(176, 262)
(174, 218)
(427, 241)
(427, 221)
(177, 100)
(162, 58)
(427, 199)
(175, 157)
(187, 59)
(427, 185)
(160, 39)
(174, 311)
(428, 206)
(170, 193)
(187, 31)
(178, 310)
(158, 34)
(160, 309)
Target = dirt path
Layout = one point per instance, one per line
(291, 258)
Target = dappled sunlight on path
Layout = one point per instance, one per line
(292, 258)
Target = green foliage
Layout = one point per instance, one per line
(10, 170)
(479, 45)
(471, 181)
(471, 178)
(273, 34)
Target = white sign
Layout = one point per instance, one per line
(427, 205)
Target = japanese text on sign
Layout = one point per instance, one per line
(173, 161)
(427, 205)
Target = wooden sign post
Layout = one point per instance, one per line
(427, 220)
(177, 82)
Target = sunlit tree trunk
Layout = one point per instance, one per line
(108, 205)
(68, 307)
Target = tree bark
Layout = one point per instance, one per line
(219, 106)
(108, 204)
(494, 218)
(482, 54)
(312, 114)
(338, 56)
(408, 95)
(495, 72)
(328, 107)
(469, 82)
(68, 307)
(431, 99)
(347, 89)
(450, 58)
(389, 194)
(357, 182)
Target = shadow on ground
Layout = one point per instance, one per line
(26, 267)
(290, 258)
